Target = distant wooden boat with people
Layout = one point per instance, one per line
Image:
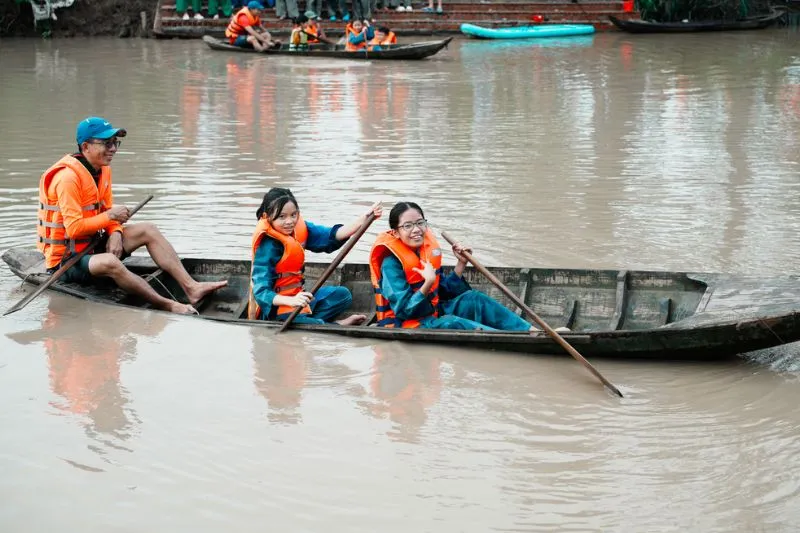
(612, 313)
(749, 23)
(419, 50)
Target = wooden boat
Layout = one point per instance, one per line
(643, 26)
(632, 314)
(394, 51)
(527, 32)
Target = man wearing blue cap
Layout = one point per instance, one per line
(76, 203)
(245, 29)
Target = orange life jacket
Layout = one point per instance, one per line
(391, 38)
(235, 29)
(289, 267)
(387, 244)
(352, 47)
(53, 241)
(313, 32)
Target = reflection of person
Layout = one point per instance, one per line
(76, 204)
(405, 268)
(404, 387)
(84, 357)
(280, 375)
(278, 247)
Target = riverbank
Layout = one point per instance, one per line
(120, 18)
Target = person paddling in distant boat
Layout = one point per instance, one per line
(357, 34)
(75, 204)
(314, 31)
(383, 37)
(246, 31)
(279, 243)
(298, 40)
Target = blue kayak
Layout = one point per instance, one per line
(527, 32)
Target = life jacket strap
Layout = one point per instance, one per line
(46, 224)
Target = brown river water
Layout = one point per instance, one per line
(651, 152)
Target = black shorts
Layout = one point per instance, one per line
(79, 272)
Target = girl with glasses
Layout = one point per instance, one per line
(279, 243)
(410, 291)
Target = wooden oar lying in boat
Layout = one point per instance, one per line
(550, 331)
(328, 271)
(70, 262)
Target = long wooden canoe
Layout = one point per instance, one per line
(396, 51)
(612, 313)
(750, 23)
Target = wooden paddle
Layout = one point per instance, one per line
(320, 38)
(328, 271)
(550, 331)
(66, 266)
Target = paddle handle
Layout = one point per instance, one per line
(68, 264)
(530, 312)
(328, 271)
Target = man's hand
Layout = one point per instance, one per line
(119, 213)
(114, 244)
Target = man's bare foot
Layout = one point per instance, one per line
(182, 309)
(201, 289)
(352, 320)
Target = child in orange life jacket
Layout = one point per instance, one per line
(313, 29)
(278, 246)
(357, 35)
(299, 39)
(383, 36)
(410, 292)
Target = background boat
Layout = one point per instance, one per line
(750, 23)
(419, 50)
(527, 32)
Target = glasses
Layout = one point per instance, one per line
(408, 226)
(109, 144)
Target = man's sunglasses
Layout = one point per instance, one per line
(111, 143)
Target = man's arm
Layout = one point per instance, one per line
(108, 201)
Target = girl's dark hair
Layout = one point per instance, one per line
(398, 210)
(274, 202)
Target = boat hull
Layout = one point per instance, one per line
(393, 52)
(642, 26)
(527, 32)
(622, 314)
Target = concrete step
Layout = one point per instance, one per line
(495, 14)
(505, 5)
(461, 10)
(553, 18)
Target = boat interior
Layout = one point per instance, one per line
(582, 300)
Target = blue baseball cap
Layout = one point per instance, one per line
(97, 128)
(255, 5)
